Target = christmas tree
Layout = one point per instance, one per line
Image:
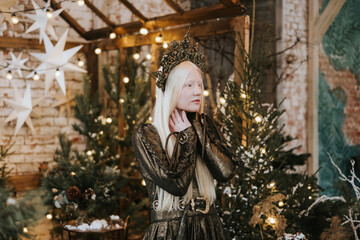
(15, 215)
(265, 198)
(130, 102)
(86, 185)
(103, 180)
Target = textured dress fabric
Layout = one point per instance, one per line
(175, 173)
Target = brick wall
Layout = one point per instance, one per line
(293, 88)
(30, 149)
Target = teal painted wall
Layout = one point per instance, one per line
(341, 44)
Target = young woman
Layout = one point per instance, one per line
(181, 153)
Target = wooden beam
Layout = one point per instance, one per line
(201, 30)
(33, 44)
(323, 22)
(176, 7)
(191, 16)
(231, 3)
(99, 14)
(70, 20)
(136, 12)
(313, 90)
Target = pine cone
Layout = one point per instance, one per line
(73, 193)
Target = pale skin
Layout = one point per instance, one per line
(189, 101)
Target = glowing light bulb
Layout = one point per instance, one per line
(80, 3)
(9, 75)
(144, 31)
(97, 50)
(310, 197)
(49, 13)
(25, 230)
(136, 56)
(148, 56)
(165, 45)
(80, 62)
(158, 39)
(89, 153)
(309, 187)
(281, 204)
(112, 35)
(206, 93)
(222, 100)
(73, 173)
(150, 119)
(258, 119)
(143, 182)
(57, 73)
(271, 185)
(243, 95)
(121, 100)
(272, 220)
(36, 76)
(126, 80)
(49, 216)
(108, 120)
(14, 19)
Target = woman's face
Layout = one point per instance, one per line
(190, 95)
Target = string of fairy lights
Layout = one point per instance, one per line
(49, 13)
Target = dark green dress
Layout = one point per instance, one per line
(174, 174)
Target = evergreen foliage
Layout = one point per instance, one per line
(264, 179)
(93, 184)
(14, 215)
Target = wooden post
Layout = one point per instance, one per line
(92, 62)
(318, 26)
(242, 38)
(121, 120)
(155, 54)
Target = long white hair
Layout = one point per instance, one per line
(165, 104)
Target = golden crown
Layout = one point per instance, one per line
(180, 52)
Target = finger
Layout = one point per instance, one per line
(184, 117)
(172, 124)
(173, 117)
(178, 116)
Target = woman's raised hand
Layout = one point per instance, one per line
(178, 123)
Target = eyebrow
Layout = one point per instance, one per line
(193, 80)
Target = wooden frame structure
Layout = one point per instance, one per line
(317, 25)
(227, 16)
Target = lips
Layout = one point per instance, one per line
(196, 101)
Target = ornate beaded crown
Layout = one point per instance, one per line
(181, 51)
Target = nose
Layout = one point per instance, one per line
(198, 91)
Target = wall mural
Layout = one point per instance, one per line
(339, 95)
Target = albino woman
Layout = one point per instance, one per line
(181, 152)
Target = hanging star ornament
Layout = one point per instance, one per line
(55, 62)
(5, 6)
(65, 102)
(16, 63)
(42, 21)
(23, 106)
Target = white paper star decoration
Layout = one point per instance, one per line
(16, 63)
(65, 102)
(5, 6)
(55, 62)
(22, 109)
(42, 22)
